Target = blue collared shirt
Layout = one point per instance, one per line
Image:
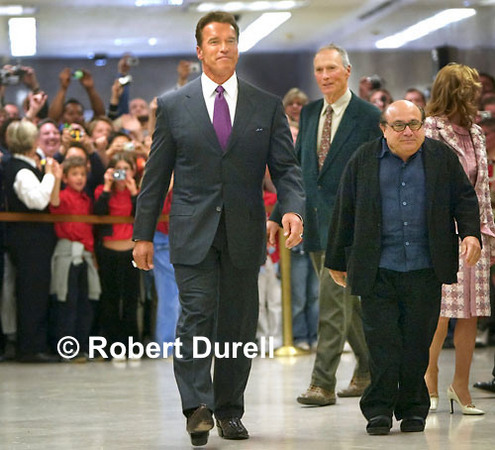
(404, 227)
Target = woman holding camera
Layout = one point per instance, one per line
(119, 280)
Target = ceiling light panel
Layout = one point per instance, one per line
(424, 27)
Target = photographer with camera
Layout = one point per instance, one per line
(119, 100)
(72, 111)
(119, 280)
(34, 105)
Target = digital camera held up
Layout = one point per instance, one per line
(119, 174)
(11, 76)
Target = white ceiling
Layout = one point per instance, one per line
(75, 28)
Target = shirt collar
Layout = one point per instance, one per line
(386, 149)
(339, 105)
(75, 193)
(230, 85)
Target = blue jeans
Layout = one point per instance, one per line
(304, 293)
(168, 308)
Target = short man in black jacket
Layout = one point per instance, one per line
(403, 202)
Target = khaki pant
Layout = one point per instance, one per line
(339, 320)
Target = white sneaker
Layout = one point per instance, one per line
(303, 346)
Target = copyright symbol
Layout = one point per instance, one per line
(68, 347)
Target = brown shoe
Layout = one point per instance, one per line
(199, 424)
(356, 388)
(317, 396)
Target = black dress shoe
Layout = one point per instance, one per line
(412, 424)
(485, 385)
(232, 428)
(38, 358)
(379, 425)
(199, 424)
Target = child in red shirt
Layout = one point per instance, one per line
(74, 276)
(119, 280)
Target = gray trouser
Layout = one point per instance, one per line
(340, 320)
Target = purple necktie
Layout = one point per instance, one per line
(221, 118)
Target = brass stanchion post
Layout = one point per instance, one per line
(287, 348)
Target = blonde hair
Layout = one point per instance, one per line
(21, 136)
(294, 94)
(455, 93)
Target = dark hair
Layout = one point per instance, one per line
(77, 144)
(74, 100)
(487, 75)
(45, 121)
(215, 16)
(74, 161)
(123, 156)
(417, 91)
(487, 100)
(115, 134)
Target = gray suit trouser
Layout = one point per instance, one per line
(219, 301)
(340, 320)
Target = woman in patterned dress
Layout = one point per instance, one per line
(451, 112)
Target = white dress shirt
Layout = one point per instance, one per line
(230, 94)
(338, 108)
(30, 191)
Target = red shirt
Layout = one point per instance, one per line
(163, 226)
(74, 202)
(270, 199)
(120, 204)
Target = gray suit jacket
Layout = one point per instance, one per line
(208, 180)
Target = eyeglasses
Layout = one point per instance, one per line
(414, 125)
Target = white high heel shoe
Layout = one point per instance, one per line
(469, 410)
(433, 402)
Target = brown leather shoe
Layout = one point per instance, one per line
(356, 388)
(317, 396)
(199, 424)
(232, 428)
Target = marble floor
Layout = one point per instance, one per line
(135, 405)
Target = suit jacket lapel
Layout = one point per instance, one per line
(195, 105)
(313, 122)
(243, 113)
(346, 126)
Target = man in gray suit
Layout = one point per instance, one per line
(217, 219)
(324, 145)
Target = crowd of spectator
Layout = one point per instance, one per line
(54, 161)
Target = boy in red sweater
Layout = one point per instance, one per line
(74, 276)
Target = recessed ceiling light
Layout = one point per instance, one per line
(233, 7)
(260, 28)
(424, 27)
(16, 10)
(22, 34)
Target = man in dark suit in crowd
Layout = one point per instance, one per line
(324, 145)
(402, 204)
(217, 134)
